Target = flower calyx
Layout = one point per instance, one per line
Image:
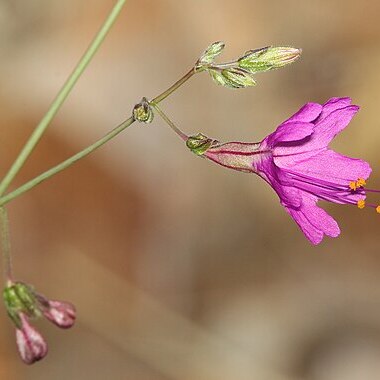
(19, 298)
(143, 112)
(200, 143)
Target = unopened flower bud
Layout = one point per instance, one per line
(22, 302)
(62, 314)
(268, 58)
(30, 343)
(143, 112)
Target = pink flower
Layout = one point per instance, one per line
(296, 161)
(30, 343)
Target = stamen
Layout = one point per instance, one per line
(378, 209)
(324, 189)
(333, 192)
(361, 182)
(372, 190)
(353, 186)
(361, 203)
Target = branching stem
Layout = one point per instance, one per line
(61, 97)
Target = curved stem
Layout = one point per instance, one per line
(60, 98)
(174, 87)
(63, 165)
(181, 134)
(5, 244)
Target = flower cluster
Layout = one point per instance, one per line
(240, 72)
(296, 161)
(23, 303)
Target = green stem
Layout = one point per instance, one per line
(60, 98)
(5, 244)
(172, 88)
(63, 165)
(181, 134)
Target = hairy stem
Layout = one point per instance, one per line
(61, 96)
(5, 244)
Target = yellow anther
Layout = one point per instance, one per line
(353, 186)
(378, 209)
(361, 182)
(361, 203)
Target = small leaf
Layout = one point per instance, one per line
(232, 78)
(268, 58)
(211, 53)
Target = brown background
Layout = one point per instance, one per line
(181, 269)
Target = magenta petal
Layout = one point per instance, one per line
(314, 221)
(289, 131)
(289, 196)
(307, 113)
(326, 129)
(326, 165)
(332, 105)
(319, 217)
(310, 231)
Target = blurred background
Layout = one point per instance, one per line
(180, 269)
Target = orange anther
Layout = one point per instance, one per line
(352, 186)
(361, 203)
(360, 182)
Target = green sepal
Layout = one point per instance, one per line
(199, 143)
(20, 298)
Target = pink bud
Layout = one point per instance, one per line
(60, 313)
(31, 345)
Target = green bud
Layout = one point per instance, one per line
(143, 112)
(20, 298)
(268, 58)
(210, 54)
(232, 78)
(199, 143)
